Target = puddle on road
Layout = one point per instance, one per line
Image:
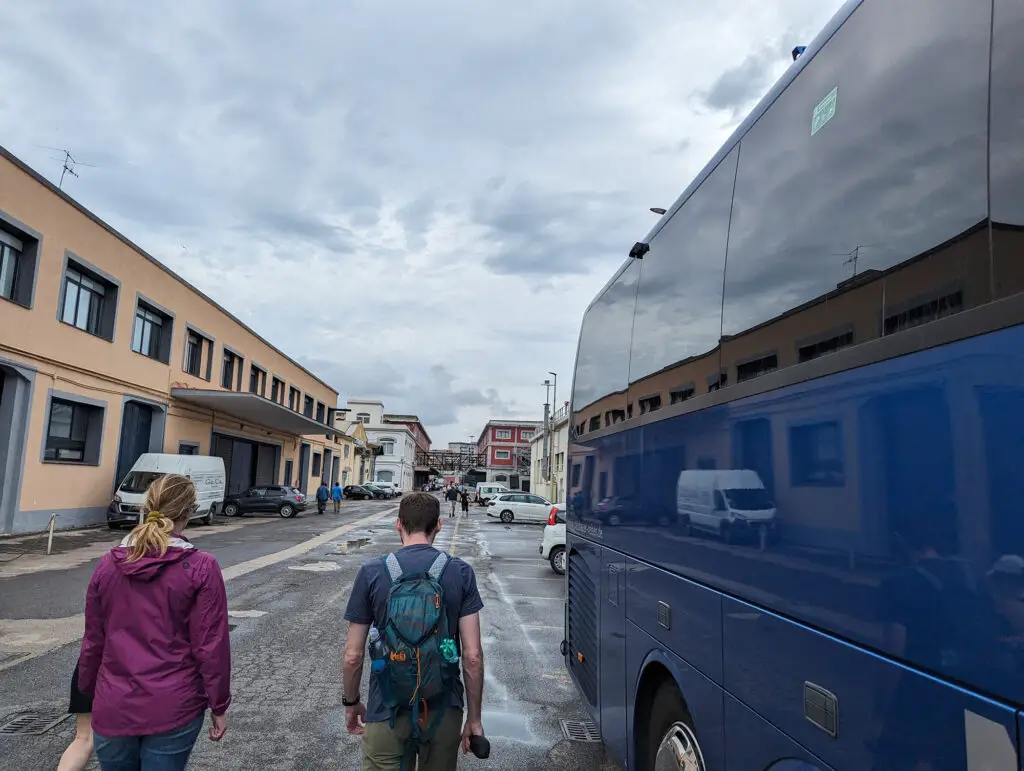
(317, 567)
(507, 725)
(344, 547)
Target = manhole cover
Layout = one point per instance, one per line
(580, 731)
(32, 722)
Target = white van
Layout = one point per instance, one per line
(487, 490)
(726, 502)
(207, 473)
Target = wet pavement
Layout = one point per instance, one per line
(288, 581)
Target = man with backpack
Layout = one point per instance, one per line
(420, 610)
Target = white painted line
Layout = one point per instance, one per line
(553, 578)
(531, 597)
(246, 613)
(317, 567)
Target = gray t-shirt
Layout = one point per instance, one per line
(369, 599)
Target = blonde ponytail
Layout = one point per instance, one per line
(170, 501)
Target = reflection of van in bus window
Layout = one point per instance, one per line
(726, 502)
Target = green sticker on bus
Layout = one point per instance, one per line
(825, 110)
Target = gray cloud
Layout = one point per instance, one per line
(438, 184)
(739, 86)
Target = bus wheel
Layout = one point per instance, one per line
(672, 742)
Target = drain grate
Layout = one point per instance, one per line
(580, 731)
(32, 722)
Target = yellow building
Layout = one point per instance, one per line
(105, 354)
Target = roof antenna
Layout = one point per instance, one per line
(70, 164)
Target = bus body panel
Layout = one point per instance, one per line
(613, 645)
(682, 615)
(836, 305)
(761, 745)
(704, 698)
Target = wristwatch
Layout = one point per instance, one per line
(345, 703)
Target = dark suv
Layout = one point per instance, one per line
(359, 493)
(286, 501)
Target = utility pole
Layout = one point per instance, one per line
(549, 438)
(546, 462)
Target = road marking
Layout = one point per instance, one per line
(55, 633)
(317, 567)
(246, 613)
(455, 532)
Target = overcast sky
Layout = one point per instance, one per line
(416, 200)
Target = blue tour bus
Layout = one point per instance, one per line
(796, 484)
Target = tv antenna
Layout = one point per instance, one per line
(853, 256)
(69, 163)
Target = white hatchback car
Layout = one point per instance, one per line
(552, 544)
(519, 507)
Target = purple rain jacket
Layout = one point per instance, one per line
(156, 652)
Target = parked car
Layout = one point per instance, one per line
(207, 472)
(286, 501)
(552, 543)
(519, 507)
(358, 493)
(379, 493)
(487, 490)
(389, 488)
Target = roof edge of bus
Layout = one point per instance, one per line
(819, 41)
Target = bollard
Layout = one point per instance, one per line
(49, 541)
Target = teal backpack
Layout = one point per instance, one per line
(421, 660)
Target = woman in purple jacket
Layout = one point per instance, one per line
(156, 653)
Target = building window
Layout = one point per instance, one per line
(387, 446)
(11, 249)
(824, 347)
(73, 432)
(595, 423)
(188, 448)
(930, 310)
(816, 455)
(502, 454)
(527, 436)
(151, 333)
(316, 464)
(757, 367)
(277, 390)
(681, 394)
(715, 383)
(346, 450)
(193, 354)
(363, 417)
(307, 406)
(89, 301)
(18, 253)
(231, 371)
(502, 433)
(293, 398)
(321, 412)
(650, 404)
(257, 380)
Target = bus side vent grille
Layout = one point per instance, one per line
(583, 626)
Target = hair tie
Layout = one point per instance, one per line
(154, 516)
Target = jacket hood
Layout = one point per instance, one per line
(152, 565)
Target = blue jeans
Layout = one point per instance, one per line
(168, 751)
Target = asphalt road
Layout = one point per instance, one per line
(288, 581)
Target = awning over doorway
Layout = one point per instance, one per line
(251, 408)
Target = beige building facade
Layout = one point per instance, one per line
(551, 485)
(105, 354)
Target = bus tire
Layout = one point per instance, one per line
(671, 739)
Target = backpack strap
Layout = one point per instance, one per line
(438, 566)
(393, 567)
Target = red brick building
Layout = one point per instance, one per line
(412, 422)
(506, 445)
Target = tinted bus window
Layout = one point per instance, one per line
(1008, 148)
(602, 363)
(869, 217)
(679, 303)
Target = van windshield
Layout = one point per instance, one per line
(748, 499)
(139, 481)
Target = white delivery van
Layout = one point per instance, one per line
(726, 502)
(487, 490)
(207, 473)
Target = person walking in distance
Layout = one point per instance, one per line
(156, 653)
(322, 494)
(336, 496)
(452, 496)
(464, 498)
(413, 715)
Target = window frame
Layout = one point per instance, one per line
(92, 411)
(98, 284)
(260, 375)
(237, 363)
(206, 343)
(316, 465)
(503, 434)
(294, 398)
(165, 334)
(498, 455)
(308, 405)
(277, 389)
(26, 271)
